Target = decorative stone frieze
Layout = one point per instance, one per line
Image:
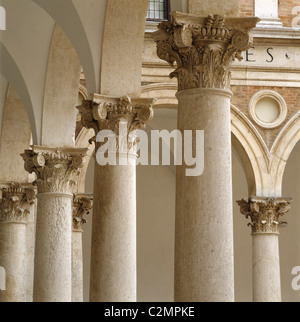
(56, 169)
(15, 202)
(107, 113)
(265, 213)
(81, 207)
(203, 48)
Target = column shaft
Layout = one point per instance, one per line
(265, 215)
(203, 49)
(13, 259)
(56, 171)
(52, 274)
(82, 204)
(113, 254)
(15, 206)
(77, 267)
(266, 268)
(30, 249)
(113, 268)
(204, 225)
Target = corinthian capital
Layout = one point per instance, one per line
(265, 213)
(107, 113)
(56, 169)
(203, 48)
(82, 204)
(15, 202)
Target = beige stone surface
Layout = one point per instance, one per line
(53, 259)
(266, 269)
(77, 267)
(204, 226)
(16, 136)
(266, 216)
(30, 249)
(56, 172)
(82, 205)
(13, 259)
(122, 47)
(113, 266)
(61, 91)
(15, 205)
(114, 215)
(270, 160)
(202, 49)
(227, 8)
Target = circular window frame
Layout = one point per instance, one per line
(282, 108)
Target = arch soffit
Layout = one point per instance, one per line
(16, 137)
(74, 29)
(122, 48)
(12, 73)
(283, 147)
(60, 92)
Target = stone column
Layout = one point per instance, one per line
(203, 49)
(265, 216)
(82, 205)
(30, 246)
(15, 205)
(113, 254)
(56, 172)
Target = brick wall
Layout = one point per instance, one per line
(247, 8)
(285, 8)
(285, 11)
(243, 94)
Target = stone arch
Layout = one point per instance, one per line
(11, 72)
(282, 149)
(15, 138)
(163, 92)
(83, 92)
(122, 48)
(252, 151)
(61, 92)
(246, 163)
(75, 30)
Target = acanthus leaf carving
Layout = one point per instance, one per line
(82, 205)
(265, 213)
(15, 202)
(56, 170)
(212, 43)
(123, 114)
